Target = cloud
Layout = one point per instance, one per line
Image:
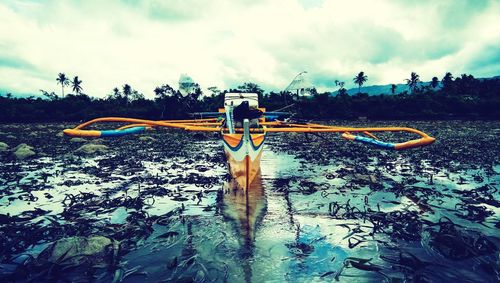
(15, 63)
(226, 43)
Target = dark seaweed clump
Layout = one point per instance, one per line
(439, 218)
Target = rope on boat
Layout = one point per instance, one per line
(136, 126)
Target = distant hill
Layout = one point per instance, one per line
(492, 78)
(4, 92)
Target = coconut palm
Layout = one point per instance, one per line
(159, 92)
(251, 87)
(215, 91)
(76, 84)
(115, 94)
(413, 81)
(393, 88)
(63, 81)
(339, 83)
(127, 91)
(360, 79)
(342, 91)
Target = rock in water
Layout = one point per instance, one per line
(92, 148)
(76, 140)
(74, 251)
(23, 151)
(146, 138)
(22, 145)
(3, 146)
(365, 178)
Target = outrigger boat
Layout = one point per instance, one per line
(243, 127)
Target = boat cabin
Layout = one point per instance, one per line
(235, 99)
(241, 106)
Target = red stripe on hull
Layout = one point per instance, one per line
(244, 171)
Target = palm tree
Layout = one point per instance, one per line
(434, 82)
(159, 91)
(116, 94)
(342, 91)
(76, 84)
(360, 79)
(127, 91)
(339, 83)
(393, 88)
(413, 81)
(63, 81)
(251, 87)
(161, 95)
(215, 91)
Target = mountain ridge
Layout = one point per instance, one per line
(400, 88)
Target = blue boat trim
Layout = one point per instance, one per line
(117, 133)
(236, 148)
(261, 144)
(240, 144)
(375, 142)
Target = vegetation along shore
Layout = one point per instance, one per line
(448, 98)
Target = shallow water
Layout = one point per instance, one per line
(323, 209)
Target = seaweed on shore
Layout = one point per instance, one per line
(424, 210)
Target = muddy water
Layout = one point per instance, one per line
(321, 210)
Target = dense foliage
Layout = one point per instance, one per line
(461, 97)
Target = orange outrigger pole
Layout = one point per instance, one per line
(243, 137)
(216, 125)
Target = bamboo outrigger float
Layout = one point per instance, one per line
(243, 127)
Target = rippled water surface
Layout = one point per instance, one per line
(162, 208)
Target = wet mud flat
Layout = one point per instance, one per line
(160, 207)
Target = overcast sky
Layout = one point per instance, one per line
(226, 43)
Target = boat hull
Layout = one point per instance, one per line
(243, 156)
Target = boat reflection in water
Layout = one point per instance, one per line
(246, 209)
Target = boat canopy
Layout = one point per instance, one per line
(301, 85)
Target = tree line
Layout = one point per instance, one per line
(446, 98)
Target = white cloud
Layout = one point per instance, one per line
(226, 43)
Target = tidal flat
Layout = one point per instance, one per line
(161, 207)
